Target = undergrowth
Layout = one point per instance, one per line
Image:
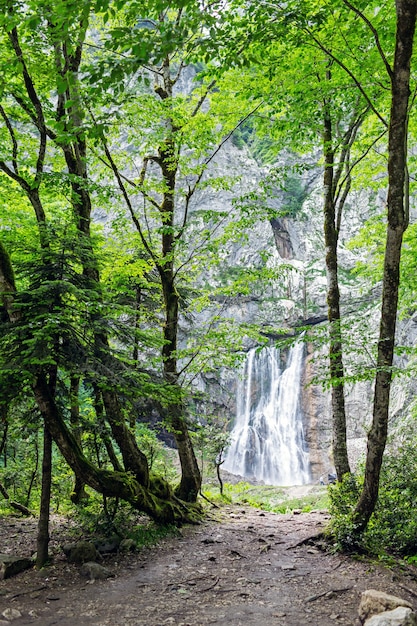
(392, 529)
(269, 498)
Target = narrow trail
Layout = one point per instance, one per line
(247, 568)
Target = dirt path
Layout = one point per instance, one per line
(247, 568)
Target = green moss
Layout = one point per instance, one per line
(159, 486)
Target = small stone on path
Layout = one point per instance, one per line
(11, 614)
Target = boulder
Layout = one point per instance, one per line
(374, 602)
(81, 552)
(12, 565)
(94, 571)
(108, 545)
(401, 616)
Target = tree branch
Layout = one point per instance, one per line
(12, 137)
(349, 73)
(191, 190)
(128, 202)
(375, 34)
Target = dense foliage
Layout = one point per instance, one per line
(392, 528)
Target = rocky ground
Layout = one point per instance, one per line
(241, 567)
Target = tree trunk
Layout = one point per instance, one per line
(155, 498)
(397, 223)
(190, 483)
(79, 493)
(102, 428)
(43, 524)
(340, 455)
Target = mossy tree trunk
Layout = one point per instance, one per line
(154, 498)
(79, 492)
(190, 484)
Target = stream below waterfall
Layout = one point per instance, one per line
(267, 440)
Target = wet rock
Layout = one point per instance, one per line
(401, 616)
(81, 552)
(95, 571)
(12, 565)
(374, 602)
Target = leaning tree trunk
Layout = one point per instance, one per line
(397, 224)
(154, 498)
(340, 455)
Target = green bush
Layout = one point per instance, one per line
(343, 497)
(393, 526)
(394, 523)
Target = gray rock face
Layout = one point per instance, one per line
(296, 243)
(12, 565)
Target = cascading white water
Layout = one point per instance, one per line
(267, 439)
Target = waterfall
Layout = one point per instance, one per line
(267, 438)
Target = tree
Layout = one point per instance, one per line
(397, 222)
(171, 150)
(59, 134)
(52, 156)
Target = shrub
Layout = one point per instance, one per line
(343, 496)
(393, 526)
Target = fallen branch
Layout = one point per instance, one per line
(209, 501)
(216, 582)
(15, 505)
(410, 591)
(23, 593)
(328, 593)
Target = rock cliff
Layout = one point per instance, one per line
(289, 236)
